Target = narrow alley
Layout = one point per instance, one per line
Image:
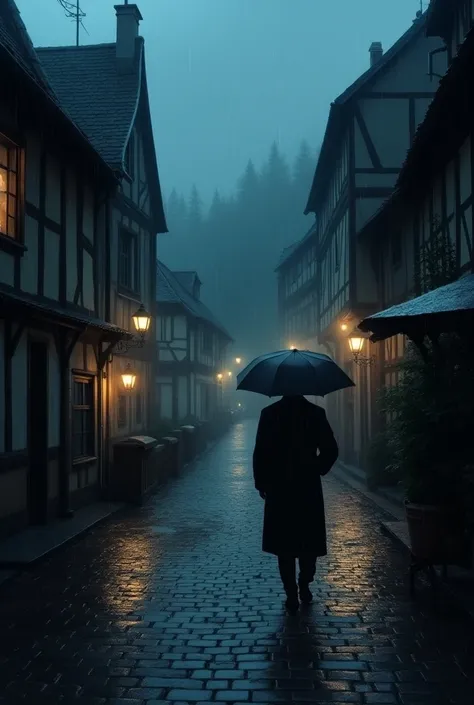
(176, 602)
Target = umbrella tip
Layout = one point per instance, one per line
(293, 349)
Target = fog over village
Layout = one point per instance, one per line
(237, 136)
(236, 352)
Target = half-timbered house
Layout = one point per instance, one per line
(191, 349)
(104, 89)
(433, 199)
(54, 190)
(370, 127)
(65, 197)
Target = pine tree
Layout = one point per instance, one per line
(195, 215)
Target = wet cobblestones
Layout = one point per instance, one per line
(175, 603)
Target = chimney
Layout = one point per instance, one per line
(376, 52)
(128, 19)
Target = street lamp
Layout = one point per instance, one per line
(356, 346)
(219, 377)
(142, 320)
(238, 360)
(128, 378)
(229, 374)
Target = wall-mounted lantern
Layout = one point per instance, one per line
(238, 360)
(219, 377)
(128, 378)
(142, 322)
(356, 346)
(229, 374)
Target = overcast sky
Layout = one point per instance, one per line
(227, 77)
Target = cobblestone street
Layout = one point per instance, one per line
(175, 602)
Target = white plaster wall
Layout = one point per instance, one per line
(6, 268)
(71, 230)
(410, 71)
(32, 176)
(20, 396)
(51, 264)
(182, 397)
(29, 261)
(53, 189)
(88, 281)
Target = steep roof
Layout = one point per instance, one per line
(170, 290)
(16, 45)
(448, 121)
(15, 39)
(337, 115)
(288, 252)
(188, 279)
(102, 101)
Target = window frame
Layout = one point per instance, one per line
(16, 240)
(88, 381)
(132, 287)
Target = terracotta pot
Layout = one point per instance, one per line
(436, 533)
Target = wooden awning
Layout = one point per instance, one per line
(23, 308)
(442, 310)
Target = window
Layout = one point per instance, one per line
(83, 418)
(122, 411)
(8, 190)
(138, 408)
(129, 262)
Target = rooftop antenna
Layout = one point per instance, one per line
(73, 10)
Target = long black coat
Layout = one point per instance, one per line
(288, 469)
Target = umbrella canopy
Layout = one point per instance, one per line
(291, 372)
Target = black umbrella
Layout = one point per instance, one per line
(291, 372)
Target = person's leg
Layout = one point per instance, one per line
(287, 567)
(307, 572)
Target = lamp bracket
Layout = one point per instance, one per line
(362, 360)
(123, 346)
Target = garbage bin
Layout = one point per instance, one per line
(135, 472)
(190, 443)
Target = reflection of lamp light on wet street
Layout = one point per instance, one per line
(129, 378)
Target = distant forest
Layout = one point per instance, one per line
(236, 245)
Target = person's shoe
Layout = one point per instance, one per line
(292, 603)
(306, 596)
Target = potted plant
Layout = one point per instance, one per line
(429, 441)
